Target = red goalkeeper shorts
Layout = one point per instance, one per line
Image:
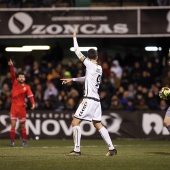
(18, 112)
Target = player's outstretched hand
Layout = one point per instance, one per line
(33, 107)
(65, 81)
(75, 32)
(10, 63)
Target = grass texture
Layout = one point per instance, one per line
(50, 155)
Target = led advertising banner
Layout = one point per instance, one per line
(61, 23)
(155, 22)
(120, 124)
(93, 22)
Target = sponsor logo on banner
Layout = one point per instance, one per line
(5, 121)
(21, 22)
(115, 122)
(153, 123)
(39, 124)
(168, 19)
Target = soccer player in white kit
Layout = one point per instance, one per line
(90, 107)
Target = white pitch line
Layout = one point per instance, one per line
(88, 146)
(46, 147)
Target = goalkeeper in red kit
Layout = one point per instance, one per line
(20, 90)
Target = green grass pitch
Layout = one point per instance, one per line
(49, 155)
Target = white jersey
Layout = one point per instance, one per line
(93, 75)
(92, 79)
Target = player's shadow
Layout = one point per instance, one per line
(160, 153)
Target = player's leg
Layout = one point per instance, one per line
(13, 117)
(76, 134)
(102, 130)
(23, 132)
(81, 114)
(12, 131)
(167, 119)
(106, 137)
(22, 120)
(167, 122)
(76, 137)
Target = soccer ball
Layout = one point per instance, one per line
(164, 93)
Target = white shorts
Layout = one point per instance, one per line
(89, 110)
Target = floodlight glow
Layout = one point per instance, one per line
(17, 49)
(159, 49)
(153, 48)
(83, 48)
(38, 47)
(27, 48)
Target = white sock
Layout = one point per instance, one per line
(105, 135)
(76, 138)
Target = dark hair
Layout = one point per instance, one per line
(92, 54)
(20, 73)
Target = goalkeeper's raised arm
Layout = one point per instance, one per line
(76, 47)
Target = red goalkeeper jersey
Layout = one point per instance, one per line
(20, 91)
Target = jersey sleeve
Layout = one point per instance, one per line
(30, 95)
(12, 73)
(79, 79)
(88, 63)
(77, 50)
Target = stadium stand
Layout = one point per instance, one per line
(80, 3)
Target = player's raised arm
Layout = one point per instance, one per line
(10, 63)
(76, 47)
